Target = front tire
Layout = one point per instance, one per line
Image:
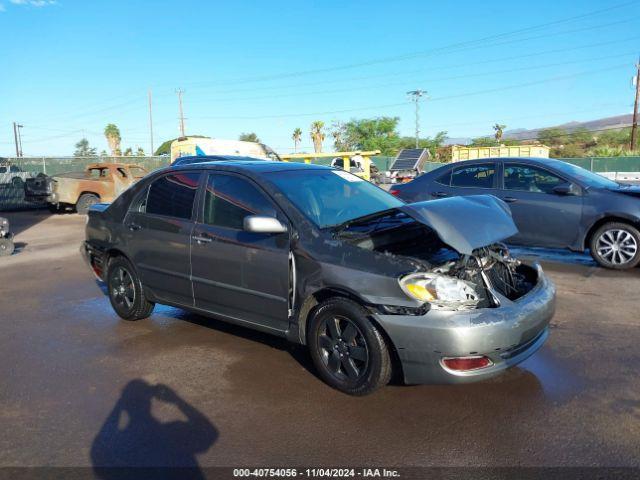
(347, 349)
(125, 291)
(84, 203)
(616, 245)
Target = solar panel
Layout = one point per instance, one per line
(409, 159)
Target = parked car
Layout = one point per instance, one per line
(553, 203)
(325, 259)
(6, 238)
(79, 190)
(13, 175)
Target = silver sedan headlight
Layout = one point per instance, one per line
(442, 292)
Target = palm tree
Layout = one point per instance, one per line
(113, 138)
(297, 136)
(317, 135)
(499, 131)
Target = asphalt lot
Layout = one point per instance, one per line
(80, 386)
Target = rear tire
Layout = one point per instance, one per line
(84, 203)
(125, 291)
(6, 247)
(347, 349)
(616, 245)
(17, 182)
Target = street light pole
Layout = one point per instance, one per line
(415, 96)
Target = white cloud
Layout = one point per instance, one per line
(34, 3)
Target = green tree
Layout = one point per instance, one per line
(296, 137)
(433, 144)
(316, 132)
(499, 129)
(140, 152)
(83, 149)
(552, 136)
(372, 134)
(249, 137)
(128, 152)
(484, 142)
(112, 133)
(103, 153)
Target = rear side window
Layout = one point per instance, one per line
(228, 199)
(444, 179)
(476, 176)
(173, 195)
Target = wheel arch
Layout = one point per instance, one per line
(322, 294)
(607, 218)
(87, 192)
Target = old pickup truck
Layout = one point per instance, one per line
(99, 182)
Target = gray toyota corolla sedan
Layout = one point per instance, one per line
(553, 203)
(325, 259)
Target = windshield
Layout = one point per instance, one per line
(332, 197)
(590, 179)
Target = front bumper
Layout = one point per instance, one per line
(41, 198)
(507, 334)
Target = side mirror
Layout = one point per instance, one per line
(263, 224)
(565, 189)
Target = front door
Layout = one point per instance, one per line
(241, 275)
(158, 236)
(543, 218)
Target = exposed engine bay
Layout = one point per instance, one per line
(465, 281)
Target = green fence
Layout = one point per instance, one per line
(606, 164)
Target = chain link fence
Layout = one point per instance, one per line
(14, 172)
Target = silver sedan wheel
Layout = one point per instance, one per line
(617, 246)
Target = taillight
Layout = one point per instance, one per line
(465, 364)
(394, 192)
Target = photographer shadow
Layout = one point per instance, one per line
(133, 443)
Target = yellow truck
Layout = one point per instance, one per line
(358, 163)
(459, 153)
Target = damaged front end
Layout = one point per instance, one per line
(455, 245)
(471, 281)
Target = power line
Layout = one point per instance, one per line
(457, 45)
(374, 107)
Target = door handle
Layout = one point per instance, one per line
(201, 240)
(134, 227)
(510, 199)
(439, 194)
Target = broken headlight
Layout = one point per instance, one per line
(442, 292)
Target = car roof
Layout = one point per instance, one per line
(549, 161)
(248, 164)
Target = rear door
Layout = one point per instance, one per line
(467, 179)
(543, 217)
(158, 235)
(241, 275)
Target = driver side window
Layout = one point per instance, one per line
(228, 199)
(530, 179)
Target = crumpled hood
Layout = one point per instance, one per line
(465, 223)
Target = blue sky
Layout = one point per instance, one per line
(69, 67)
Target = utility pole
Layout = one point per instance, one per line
(180, 92)
(415, 97)
(634, 127)
(15, 138)
(150, 122)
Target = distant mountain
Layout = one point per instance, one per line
(619, 121)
